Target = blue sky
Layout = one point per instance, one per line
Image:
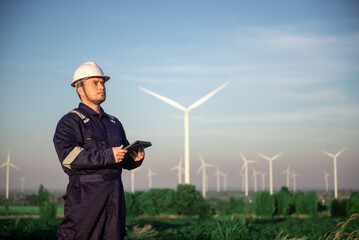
(293, 69)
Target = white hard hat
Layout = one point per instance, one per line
(87, 70)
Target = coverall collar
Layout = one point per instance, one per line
(89, 110)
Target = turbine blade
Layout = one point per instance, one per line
(276, 156)
(3, 165)
(327, 153)
(165, 99)
(340, 152)
(264, 156)
(199, 169)
(205, 98)
(243, 157)
(12, 165)
(243, 166)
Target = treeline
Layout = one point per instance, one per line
(186, 200)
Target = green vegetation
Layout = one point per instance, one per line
(184, 214)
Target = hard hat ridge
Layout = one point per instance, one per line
(87, 70)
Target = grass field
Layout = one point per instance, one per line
(175, 227)
(22, 211)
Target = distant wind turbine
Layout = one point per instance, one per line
(263, 180)
(8, 165)
(287, 172)
(204, 175)
(242, 178)
(224, 175)
(218, 174)
(245, 168)
(179, 169)
(22, 180)
(326, 175)
(149, 175)
(270, 169)
(133, 179)
(294, 177)
(186, 121)
(255, 178)
(335, 156)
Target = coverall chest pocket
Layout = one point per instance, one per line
(93, 142)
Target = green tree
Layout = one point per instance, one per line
(156, 201)
(283, 200)
(133, 207)
(264, 204)
(48, 208)
(354, 203)
(235, 205)
(188, 201)
(307, 204)
(43, 196)
(339, 208)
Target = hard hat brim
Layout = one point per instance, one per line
(106, 78)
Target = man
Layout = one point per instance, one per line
(90, 146)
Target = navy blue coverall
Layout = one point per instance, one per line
(94, 202)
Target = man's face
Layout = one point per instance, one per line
(95, 90)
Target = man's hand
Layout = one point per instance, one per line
(137, 156)
(119, 153)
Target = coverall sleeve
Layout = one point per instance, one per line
(69, 147)
(128, 162)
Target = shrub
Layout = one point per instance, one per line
(354, 203)
(235, 205)
(339, 208)
(156, 201)
(48, 210)
(264, 204)
(283, 200)
(307, 204)
(133, 208)
(188, 201)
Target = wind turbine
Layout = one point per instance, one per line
(186, 121)
(149, 175)
(224, 175)
(326, 175)
(263, 180)
(204, 175)
(255, 178)
(335, 156)
(133, 179)
(8, 165)
(245, 168)
(287, 172)
(270, 169)
(242, 177)
(179, 169)
(294, 176)
(22, 180)
(218, 174)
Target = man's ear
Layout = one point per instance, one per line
(79, 91)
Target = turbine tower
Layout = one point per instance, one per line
(263, 180)
(204, 175)
(245, 168)
(326, 175)
(294, 176)
(270, 169)
(287, 172)
(186, 121)
(335, 156)
(255, 178)
(224, 175)
(133, 179)
(149, 175)
(218, 174)
(179, 169)
(8, 165)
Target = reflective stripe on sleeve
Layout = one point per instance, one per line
(71, 157)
